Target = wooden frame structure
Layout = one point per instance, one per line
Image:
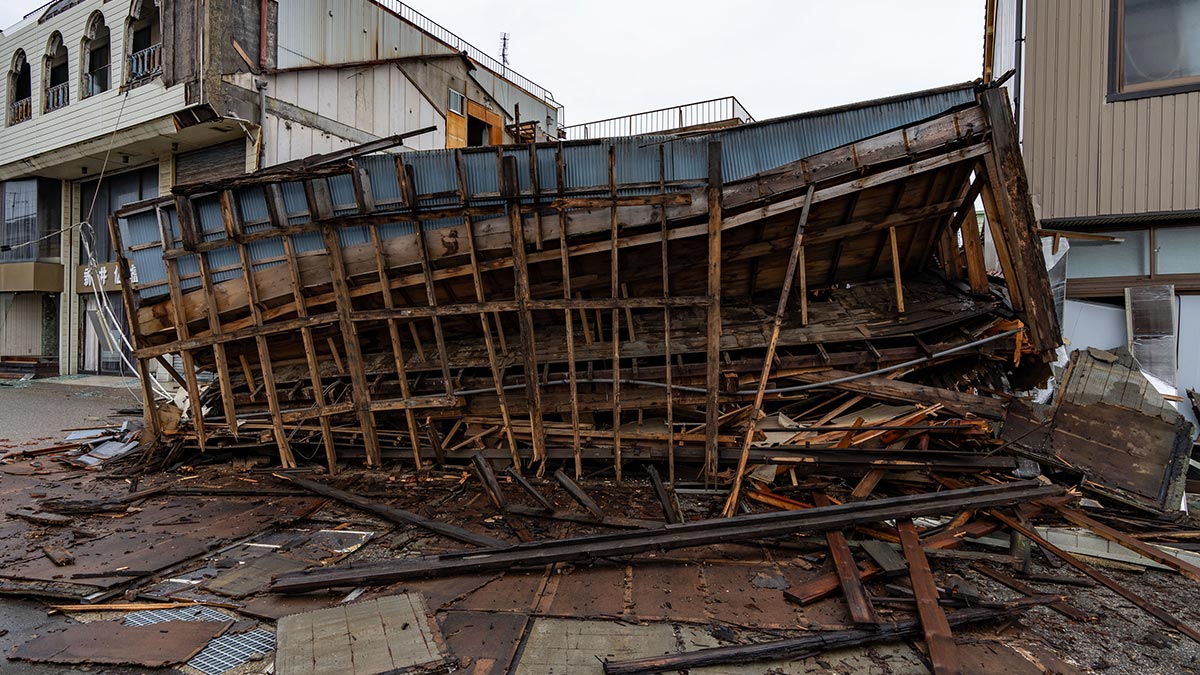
(426, 306)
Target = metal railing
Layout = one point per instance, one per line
(58, 96)
(436, 30)
(146, 63)
(20, 111)
(713, 111)
(95, 82)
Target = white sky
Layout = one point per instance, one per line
(605, 59)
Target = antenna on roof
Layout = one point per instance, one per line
(504, 48)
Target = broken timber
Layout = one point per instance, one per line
(667, 537)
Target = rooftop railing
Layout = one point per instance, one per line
(713, 111)
(435, 29)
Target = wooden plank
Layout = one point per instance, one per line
(1154, 553)
(149, 408)
(182, 332)
(857, 600)
(578, 494)
(943, 652)
(769, 359)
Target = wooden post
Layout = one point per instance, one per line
(615, 286)
(564, 255)
(510, 189)
(320, 206)
(666, 293)
(182, 332)
(769, 359)
(713, 324)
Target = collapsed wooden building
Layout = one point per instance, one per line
(706, 301)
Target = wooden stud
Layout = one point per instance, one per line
(666, 293)
(943, 652)
(896, 271)
(615, 285)
(317, 192)
(149, 408)
(572, 374)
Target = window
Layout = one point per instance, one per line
(110, 195)
(55, 77)
(20, 90)
(144, 37)
(29, 210)
(96, 57)
(1155, 47)
(458, 103)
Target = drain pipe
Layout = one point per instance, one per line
(261, 86)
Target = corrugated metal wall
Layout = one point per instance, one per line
(1086, 157)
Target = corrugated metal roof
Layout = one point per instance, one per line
(638, 162)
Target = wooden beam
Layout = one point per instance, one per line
(615, 286)
(769, 359)
(564, 256)
(857, 600)
(896, 271)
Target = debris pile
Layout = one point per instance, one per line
(746, 396)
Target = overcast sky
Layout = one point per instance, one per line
(604, 59)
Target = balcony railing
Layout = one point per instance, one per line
(699, 114)
(146, 63)
(58, 96)
(20, 111)
(95, 82)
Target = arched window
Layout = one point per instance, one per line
(55, 74)
(95, 57)
(143, 39)
(20, 90)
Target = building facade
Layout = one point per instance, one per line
(1108, 98)
(110, 102)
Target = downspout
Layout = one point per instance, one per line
(1019, 49)
(261, 86)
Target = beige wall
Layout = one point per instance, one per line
(1086, 157)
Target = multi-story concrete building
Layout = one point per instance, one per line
(1107, 93)
(109, 102)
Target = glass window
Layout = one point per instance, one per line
(457, 103)
(114, 193)
(1159, 44)
(1131, 257)
(1176, 249)
(29, 210)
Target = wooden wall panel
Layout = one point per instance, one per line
(1086, 157)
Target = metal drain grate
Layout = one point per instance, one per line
(230, 651)
(221, 654)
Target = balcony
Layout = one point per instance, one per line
(20, 111)
(58, 96)
(145, 64)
